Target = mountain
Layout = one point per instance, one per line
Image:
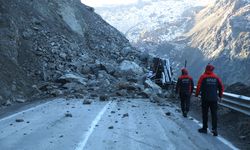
(59, 48)
(158, 27)
(152, 20)
(200, 32)
(222, 33)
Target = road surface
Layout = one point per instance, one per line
(134, 124)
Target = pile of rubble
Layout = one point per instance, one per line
(64, 49)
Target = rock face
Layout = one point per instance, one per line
(52, 48)
(222, 33)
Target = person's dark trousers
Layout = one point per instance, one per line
(185, 102)
(213, 105)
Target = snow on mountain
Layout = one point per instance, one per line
(152, 20)
(198, 31)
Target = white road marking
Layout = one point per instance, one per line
(226, 142)
(86, 136)
(223, 140)
(30, 109)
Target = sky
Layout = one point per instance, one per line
(99, 3)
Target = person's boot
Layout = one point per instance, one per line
(202, 130)
(214, 132)
(185, 115)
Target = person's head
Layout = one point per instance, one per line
(209, 68)
(184, 71)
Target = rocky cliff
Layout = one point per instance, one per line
(222, 33)
(58, 48)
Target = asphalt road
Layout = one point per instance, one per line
(114, 125)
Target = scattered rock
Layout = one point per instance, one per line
(122, 92)
(116, 121)
(242, 137)
(190, 118)
(19, 100)
(93, 95)
(167, 113)
(104, 97)
(161, 104)
(112, 112)
(19, 120)
(125, 115)
(173, 132)
(111, 127)
(178, 110)
(7, 103)
(55, 92)
(27, 122)
(60, 136)
(86, 102)
(68, 114)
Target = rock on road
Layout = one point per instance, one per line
(134, 124)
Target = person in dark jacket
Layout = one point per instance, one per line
(211, 88)
(184, 87)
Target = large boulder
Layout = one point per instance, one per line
(153, 86)
(71, 77)
(130, 67)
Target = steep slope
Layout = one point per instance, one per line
(45, 44)
(222, 33)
